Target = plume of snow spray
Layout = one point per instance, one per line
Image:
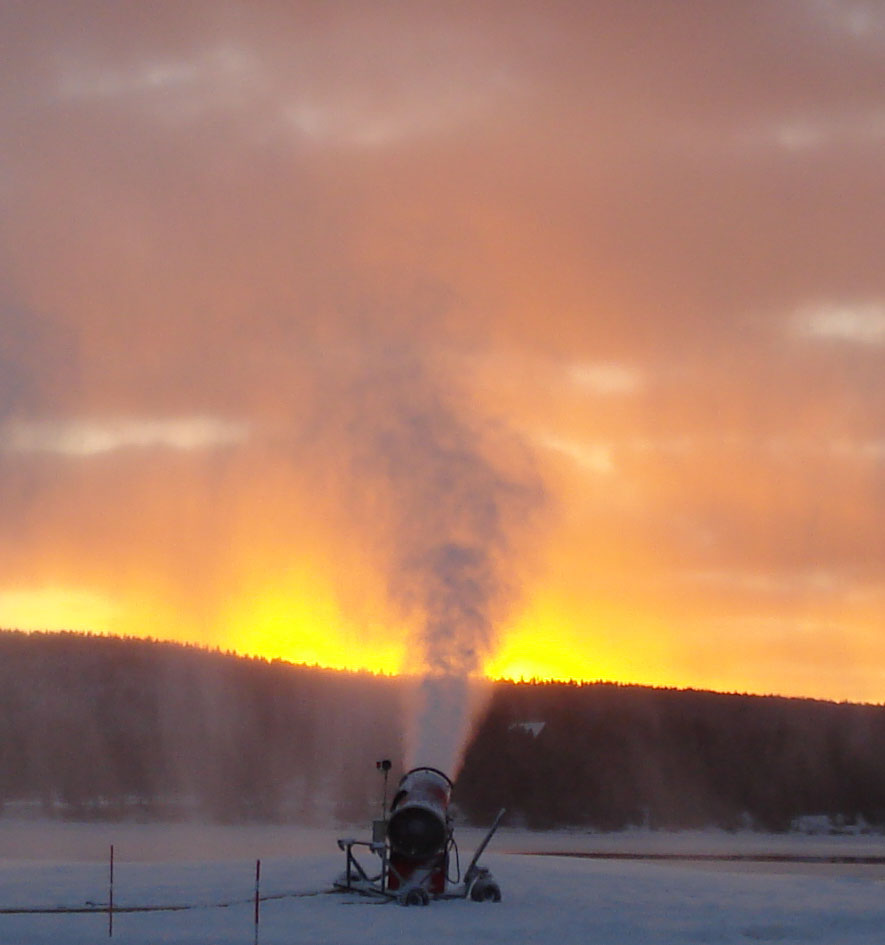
(454, 496)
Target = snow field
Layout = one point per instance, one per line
(550, 900)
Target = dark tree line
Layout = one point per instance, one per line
(611, 756)
(103, 726)
(97, 726)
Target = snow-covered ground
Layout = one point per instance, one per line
(556, 900)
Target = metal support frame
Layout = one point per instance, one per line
(355, 878)
(478, 882)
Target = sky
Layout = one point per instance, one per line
(327, 330)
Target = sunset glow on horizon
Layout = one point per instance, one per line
(324, 329)
(543, 645)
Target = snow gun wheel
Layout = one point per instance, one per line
(485, 890)
(415, 897)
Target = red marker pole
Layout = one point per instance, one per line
(111, 894)
(257, 896)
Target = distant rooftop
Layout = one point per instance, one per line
(533, 728)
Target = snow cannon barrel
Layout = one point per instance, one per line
(419, 824)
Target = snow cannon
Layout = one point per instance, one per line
(419, 825)
(417, 849)
(419, 831)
